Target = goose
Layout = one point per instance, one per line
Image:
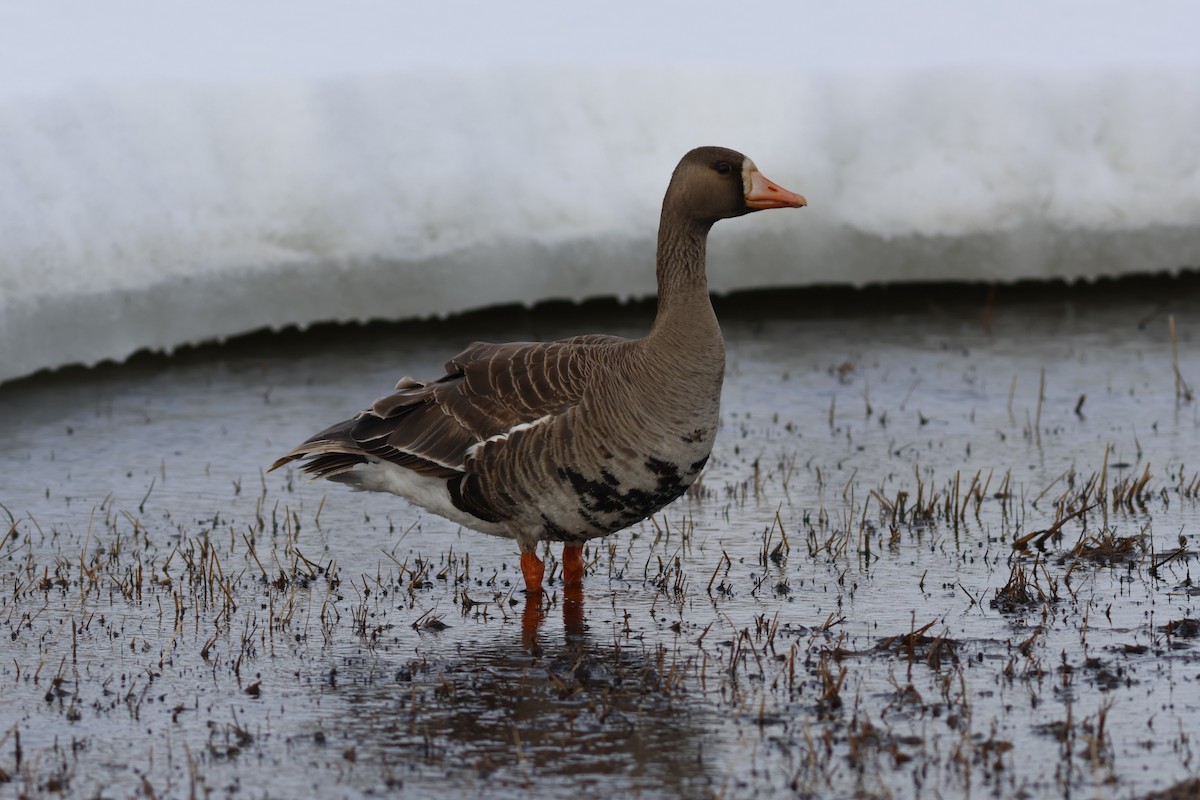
(568, 440)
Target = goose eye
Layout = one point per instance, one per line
(724, 168)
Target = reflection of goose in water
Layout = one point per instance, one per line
(570, 440)
(575, 714)
(535, 612)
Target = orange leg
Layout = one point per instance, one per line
(572, 565)
(533, 569)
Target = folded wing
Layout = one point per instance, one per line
(488, 389)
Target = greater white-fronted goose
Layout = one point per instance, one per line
(568, 440)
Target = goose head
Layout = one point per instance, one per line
(714, 183)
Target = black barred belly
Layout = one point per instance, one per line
(606, 503)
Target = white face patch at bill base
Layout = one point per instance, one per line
(748, 170)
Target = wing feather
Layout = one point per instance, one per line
(488, 389)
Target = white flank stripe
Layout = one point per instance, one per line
(499, 437)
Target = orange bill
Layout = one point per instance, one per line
(765, 193)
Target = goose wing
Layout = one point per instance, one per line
(488, 389)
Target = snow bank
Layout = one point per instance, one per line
(172, 174)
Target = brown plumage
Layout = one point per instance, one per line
(566, 440)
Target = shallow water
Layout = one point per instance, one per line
(837, 610)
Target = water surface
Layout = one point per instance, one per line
(836, 610)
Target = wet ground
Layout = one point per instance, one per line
(943, 549)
